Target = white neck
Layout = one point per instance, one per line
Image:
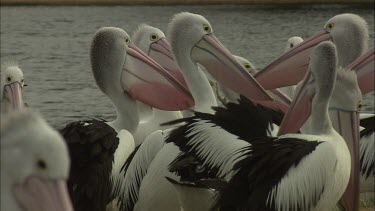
(320, 121)
(127, 113)
(198, 84)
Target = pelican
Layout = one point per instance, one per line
(11, 89)
(152, 41)
(192, 41)
(349, 33)
(98, 148)
(290, 44)
(34, 165)
(342, 110)
(364, 67)
(291, 172)
(339, 110)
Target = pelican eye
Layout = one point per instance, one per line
(154, 37)
(248, 67)
(207, 28)
(291, 45)
(127, 41)
(9, 79)
(330, 26)
(41, 164)
(359, 105)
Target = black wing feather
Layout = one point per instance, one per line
(243, 119)
(266, 162)
(369, 126)
(367, 169)
(130, 202)
(91, 146)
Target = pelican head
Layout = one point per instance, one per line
(152, 41)
(12, 83)
(120, 67)
(34, 165)
(191, 36)
(292, 42)
(144, 36)
(348, 32)
(246, 64)
(226, 95)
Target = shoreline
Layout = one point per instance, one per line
(177, 2)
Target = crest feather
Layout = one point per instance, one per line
(9, 63)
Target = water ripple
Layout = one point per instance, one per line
(52, 45)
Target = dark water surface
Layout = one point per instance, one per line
(51, 45)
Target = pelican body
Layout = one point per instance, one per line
(304, 172)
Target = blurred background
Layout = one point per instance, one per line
(51, 43)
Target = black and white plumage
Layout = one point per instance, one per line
(368, 124)
(92, 145)
(135, 168)
(309, 172)
(367, 153)
(234, 114)
(244, 119)
(367, 146)
(251, 184)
